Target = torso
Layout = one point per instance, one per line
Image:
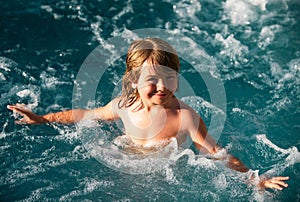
(149, 127)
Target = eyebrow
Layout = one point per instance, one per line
(164, 72)
(151, 76)
(157, 76)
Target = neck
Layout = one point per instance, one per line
(150, 106)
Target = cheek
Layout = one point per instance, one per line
(146, 89)
(172, 85)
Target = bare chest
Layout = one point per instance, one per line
(144, 128)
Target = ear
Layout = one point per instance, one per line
(134, 85)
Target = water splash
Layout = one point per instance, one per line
(244, 12)
(291, 156)
(233, 49)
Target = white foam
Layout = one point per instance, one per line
(291, 155)
(7, 64)
(170, 176)
(131, 163)
(193, 159)
(47, 8)
(261, 3)
(244, 12)
(66, 134)
(87, 185)
(233, 49)
(156, 161)
(284, 77)
(201, 105)
(126, 9)
(186, 8)
(263, 138)
(236, 109)
(70, 195)
(220, 181)
(276, 70)
(267, 35)
(240, 12)
(79, 152)
(190, 50)
(91, 184)
(3, 134)
(50, 82)
(34, 97)
(96, 29)
(208, 111)
(24, 93)
(126, 34)
(2, 77)
(294, 65)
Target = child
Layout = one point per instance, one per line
(147, 107)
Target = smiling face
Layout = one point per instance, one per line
(156, 84)
(152, 51)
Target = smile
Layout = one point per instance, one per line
(160, 94)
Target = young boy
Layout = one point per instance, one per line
(148, 108)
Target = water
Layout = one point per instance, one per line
(254, 46)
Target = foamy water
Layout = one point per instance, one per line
(249, 48)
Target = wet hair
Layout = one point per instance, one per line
(153, 50)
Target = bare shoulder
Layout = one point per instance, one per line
(114, 104)
(188, 115)
(108, 112)
(192, 123)
(186, 110)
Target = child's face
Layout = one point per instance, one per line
(157, 84)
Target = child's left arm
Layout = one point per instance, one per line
(206, 144)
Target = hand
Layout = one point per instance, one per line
(274, 183)
(28, 117)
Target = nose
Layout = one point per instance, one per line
(160, 85)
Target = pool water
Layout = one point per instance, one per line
(240, 70)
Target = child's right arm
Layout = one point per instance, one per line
(205, 143)
(64, 117)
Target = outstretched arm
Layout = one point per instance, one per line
(64, 117)
(28, 117)
(206, 144)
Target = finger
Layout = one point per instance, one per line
(279, 182)
(19, 109)
(18, 105)
(276, 186)
(10, 107)
(14, 109)
(271, 185)
(280, 178)
(20, 122)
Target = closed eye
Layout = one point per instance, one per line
(152, 79)
(171, 77)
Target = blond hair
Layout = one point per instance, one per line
(153, 50)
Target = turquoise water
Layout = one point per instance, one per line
(249, 49)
